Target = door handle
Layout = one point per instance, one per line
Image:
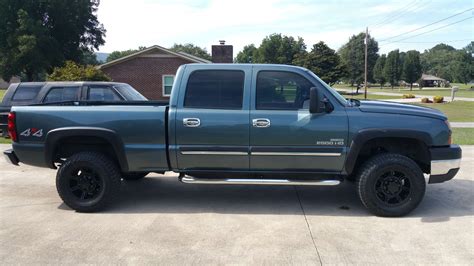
(261, 122)
(191, 122)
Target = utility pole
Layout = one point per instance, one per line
(365, 72)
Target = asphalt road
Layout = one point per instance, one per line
(159, 220)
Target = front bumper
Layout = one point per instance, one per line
(10, 156)
(445, 163)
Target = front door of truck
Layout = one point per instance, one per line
(212, 120)
(284, 136)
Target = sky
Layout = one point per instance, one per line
(134, 23)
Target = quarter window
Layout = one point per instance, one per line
(62, 94)
(102, 94)
(277, 90)
(26, 92)
(167, 84)
(215, 89)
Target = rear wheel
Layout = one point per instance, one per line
(390, 185)
(88, 181)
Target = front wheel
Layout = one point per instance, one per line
(390, 185)
(88, 181)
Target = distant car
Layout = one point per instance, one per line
(27, 93)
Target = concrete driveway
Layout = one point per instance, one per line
(159, 220)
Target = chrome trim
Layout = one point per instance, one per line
(441, 167)
(214, 153)
(297, 153)
(261, 122)
(191, 122)
(246, 181)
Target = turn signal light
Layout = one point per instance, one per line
(12, 126)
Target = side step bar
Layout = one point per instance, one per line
(248, 181)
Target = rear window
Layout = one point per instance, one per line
(101, 93)
(130, 93)
(62, 94)
(26, 92)
(215, 89)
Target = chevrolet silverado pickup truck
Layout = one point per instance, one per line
(245, 124)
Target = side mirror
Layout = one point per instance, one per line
(315, 101)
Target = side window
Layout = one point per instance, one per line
(102, 93)
(277, 90)
(26, 92)
(215, 89)
(61, 94)
(167, 84)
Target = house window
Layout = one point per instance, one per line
(167, 84)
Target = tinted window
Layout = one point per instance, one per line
(282, 91)
(103, 94)
(61, 94)
(26, 92)
(130, 93)
(215, 89)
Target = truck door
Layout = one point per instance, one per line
(284, 136)
(212, 120)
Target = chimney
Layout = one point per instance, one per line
(222, 53)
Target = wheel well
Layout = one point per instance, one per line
(68, 146)
(414, 149)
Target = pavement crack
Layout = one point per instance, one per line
(307, 225)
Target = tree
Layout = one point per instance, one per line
(192, 50)
(247, 55)
(323, 61)
(74, 72)
(392, 68)
(279, 49)
(36, 36)
(378, 70)
(353, 56)
(411, 67)
(119, 54)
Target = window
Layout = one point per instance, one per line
(167, 84)
(101, 93)
(277, 90)
(62, 94)
(129, 93)
(26, 92)
(215, 89)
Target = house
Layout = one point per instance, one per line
(432, 81)
(150, 71)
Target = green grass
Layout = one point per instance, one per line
(2, 92)
(457, 111)
(372, 97)
(5, 141)
(463, 136)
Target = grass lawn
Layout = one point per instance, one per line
(5, 141)
(2, 92)
(372, 97)
(463, 136)
(457, 111)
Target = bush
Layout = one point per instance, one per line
(438, 99)
(426, 100)
(74, 72)
(408, 96)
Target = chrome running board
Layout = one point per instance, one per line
(248, 181)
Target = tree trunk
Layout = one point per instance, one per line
(411, 86)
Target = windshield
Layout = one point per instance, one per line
(130, 93)
(336, 94)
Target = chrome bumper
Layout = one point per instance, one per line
(445, 163)
(442, 167)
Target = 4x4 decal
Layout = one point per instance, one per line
(35, 132)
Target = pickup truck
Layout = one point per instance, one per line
(245, 124)
(27, 93)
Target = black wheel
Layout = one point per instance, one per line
(88, 181)
(390, 185)
(134, 175)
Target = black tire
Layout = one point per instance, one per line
(390, 185)
(88, 181)
(134, 176)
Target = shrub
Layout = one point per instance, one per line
(426, 100)
(408, 96)
(74, 72)
(438, 99)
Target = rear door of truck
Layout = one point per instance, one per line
(212, 118)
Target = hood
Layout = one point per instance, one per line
(400, 108)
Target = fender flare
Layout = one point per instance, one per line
(108, 135)
(365, 135)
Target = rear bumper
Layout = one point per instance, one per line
(10, 156)
(445, 163)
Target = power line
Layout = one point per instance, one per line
(410, 31)
(447, 25)
(441, 41)
(395, 13)
(417, 7)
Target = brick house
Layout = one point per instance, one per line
(150, 71)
